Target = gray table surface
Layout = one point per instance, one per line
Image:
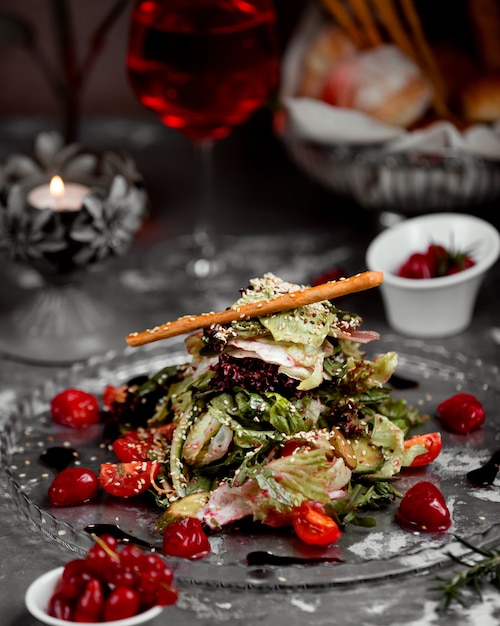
(279, 199)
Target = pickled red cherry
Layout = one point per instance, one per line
(461, 413)
(75, 576)
(90, 604)
(185, 537)
(424, 508)
(60, 607)
(102, 557)
(112, 584)
(121, 603)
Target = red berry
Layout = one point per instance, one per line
(424, 508)
(74, 578)
(459, 264)
(437, 256)
(131, 556)
(120, 576)
(121, 603)
(112, 583)
(90, 604)
(436, 261)
(167, 595)
(461, 413)
(75, 408)
(186, 538)
(60, 607)
(153, 562)
(102, 558)
(418, 265)
(73, 486)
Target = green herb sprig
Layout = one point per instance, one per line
(476, 574)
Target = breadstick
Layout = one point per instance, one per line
(389, 17)
(345, 21)
(284, 302)
(427, 58)
(367, 20)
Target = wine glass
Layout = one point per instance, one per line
(203, 66)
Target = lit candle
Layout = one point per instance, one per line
(58, 196)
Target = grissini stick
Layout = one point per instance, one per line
(284, 302)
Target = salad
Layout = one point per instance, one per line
(281, 419)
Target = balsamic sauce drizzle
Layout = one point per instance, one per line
(486, 474)
(58, 458)
(120, 535)
(260, 557)
(399, 382)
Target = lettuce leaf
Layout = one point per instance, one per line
(271, 492)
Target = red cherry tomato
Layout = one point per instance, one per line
(126, 480)
(136, 445)
(461, 413)
(423, 507)
(75, 408)
(127, 449)
(73, 485)
(433, 444)
(314, 526)
(186, 538)
(112, 394)
(290, 447)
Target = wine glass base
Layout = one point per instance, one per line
(62, 324)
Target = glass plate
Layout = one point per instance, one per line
(362, 555)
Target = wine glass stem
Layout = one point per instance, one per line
(204, 237)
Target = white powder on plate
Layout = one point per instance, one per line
(377, 545)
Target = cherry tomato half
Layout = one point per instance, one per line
(126, 480)
(129, 449)
(137, 444)
(313, 526)
(432, 442)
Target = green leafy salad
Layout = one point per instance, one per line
(273, 412)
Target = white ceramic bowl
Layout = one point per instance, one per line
(433, 307)
(40, 591)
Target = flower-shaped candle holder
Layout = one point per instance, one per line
(62, 232)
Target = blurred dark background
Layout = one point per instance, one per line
(24, 88)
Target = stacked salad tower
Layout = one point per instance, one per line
(272, 414)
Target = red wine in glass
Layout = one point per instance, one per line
(203, 66)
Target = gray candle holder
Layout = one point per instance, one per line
(61, 320)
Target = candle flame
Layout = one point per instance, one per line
(56, 187)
